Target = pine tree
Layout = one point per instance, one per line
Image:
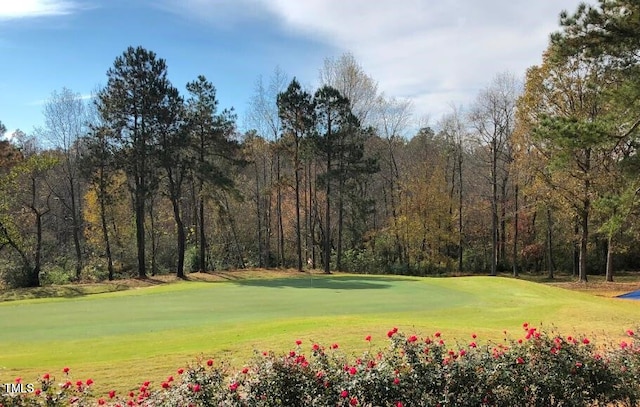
(131, 106)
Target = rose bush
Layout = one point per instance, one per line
(538, 369)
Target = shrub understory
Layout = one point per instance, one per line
(540, 369)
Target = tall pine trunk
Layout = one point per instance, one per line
(105, 229)
(140, 235)
(515, 232)
(494, 208)
(327, 231)
(281, 257)
(259, 216)
(340, 226)
(550, 263)
(76, 228)
(298, 227)
(609, 272)
(181, 237)
(460, 223)
(202, 256)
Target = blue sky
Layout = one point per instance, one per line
(433, 52)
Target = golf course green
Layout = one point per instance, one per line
(122, 338)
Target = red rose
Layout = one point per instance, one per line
(209, 362)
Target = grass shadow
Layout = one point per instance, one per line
(325, 282)
(66, 291)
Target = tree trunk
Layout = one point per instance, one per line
(140, 233)
(502, 251)
(298, 227)
(550, 263)
(226, 217)
(340, 226)
(586, 209)
(584, 240)
(460, 224)
(393, 182)
(609, 272)
(327, 230)
(202, 256)
(76, 229)
(259, 217)
(34, 280)
(494, 208)
(105, 230)
(180, 236)
(281, 261)
(313, 213)
(515, 233)
(576, 251)
(307, 212)
(154, 242)
(267, 212)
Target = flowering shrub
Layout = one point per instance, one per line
(539, 369)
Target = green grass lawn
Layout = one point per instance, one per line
(124, 337)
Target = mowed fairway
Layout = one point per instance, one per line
(120, 339)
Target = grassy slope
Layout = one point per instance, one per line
(121, 338)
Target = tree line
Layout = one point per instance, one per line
(537, 174)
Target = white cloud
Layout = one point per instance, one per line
(9, 135)
(224, 13)
(42, 102)
(13, 9)
(434, 52)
